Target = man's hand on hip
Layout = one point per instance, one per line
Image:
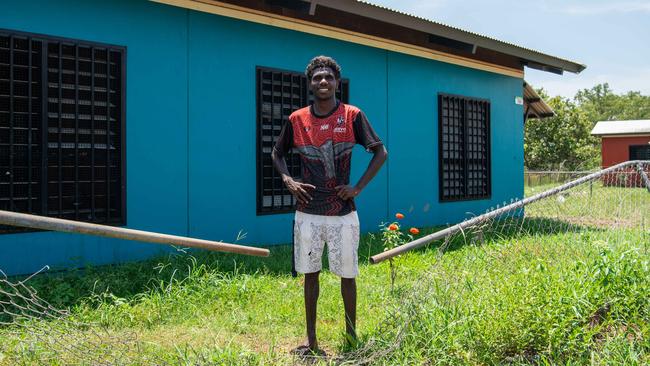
(299, 190)
(346, 192)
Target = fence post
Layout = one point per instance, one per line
(644, 176)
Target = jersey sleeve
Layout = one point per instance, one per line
(364, 134)
(285, 140)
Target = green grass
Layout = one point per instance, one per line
(550, 297)
(532, 190)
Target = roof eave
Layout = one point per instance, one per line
(530, 58)
(621, 134)
(541, 115)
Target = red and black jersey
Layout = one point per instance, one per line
(325, 145)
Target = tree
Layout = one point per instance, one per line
(601, 104)
(563, 141)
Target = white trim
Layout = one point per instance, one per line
(627, 135)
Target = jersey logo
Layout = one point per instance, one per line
(340, 120)
(324, 127)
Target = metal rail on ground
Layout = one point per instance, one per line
(70, 226)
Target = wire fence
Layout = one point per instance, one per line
(43, 334)
(611, 207)
(536, 178)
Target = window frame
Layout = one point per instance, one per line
(343, 93)
(640, 147)
(46, 40)
(488, 146)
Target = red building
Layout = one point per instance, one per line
(623, 141)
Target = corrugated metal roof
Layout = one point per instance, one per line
(441, 37)
(632, 127)
(534, 105)
(537, 59)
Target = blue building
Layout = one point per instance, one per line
(160, 115)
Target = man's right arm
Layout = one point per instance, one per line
(282, 146)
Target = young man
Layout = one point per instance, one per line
(324, 135)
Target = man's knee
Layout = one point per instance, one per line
(309, 277)
(348, 281)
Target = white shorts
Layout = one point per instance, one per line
(311, 232)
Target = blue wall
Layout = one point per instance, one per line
(156, 124)
(191, 126)
(413, 86)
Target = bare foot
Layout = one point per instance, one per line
(308, 351)
(351, 339)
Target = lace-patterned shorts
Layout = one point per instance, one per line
(341, 233)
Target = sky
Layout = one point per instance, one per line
(611, 37)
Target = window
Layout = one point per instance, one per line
(279, 93)
(639, 152)
(61, 128)
(464, 148)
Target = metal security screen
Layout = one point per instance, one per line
(20, 124)
(84, 134)
(464, 148)
(640, 152)
(279, 93)
(62, 127)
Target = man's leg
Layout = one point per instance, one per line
(312, 290)
(349, 293)
(308, 250)
(343, 243)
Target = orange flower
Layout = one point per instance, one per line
(414, 231)
(393, 227)
(399, 216)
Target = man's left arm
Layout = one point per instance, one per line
(365, 136)
(379, 157)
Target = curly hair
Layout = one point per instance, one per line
(320, 62)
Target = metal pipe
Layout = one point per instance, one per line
(559, 171)
(494, 213)
(69, 226)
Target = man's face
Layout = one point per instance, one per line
(323, 83)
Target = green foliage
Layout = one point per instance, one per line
(392, 237)
(560, 141)
(564, 141)
(571, 303)
(601, 104)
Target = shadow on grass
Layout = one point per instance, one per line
(71, 287)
